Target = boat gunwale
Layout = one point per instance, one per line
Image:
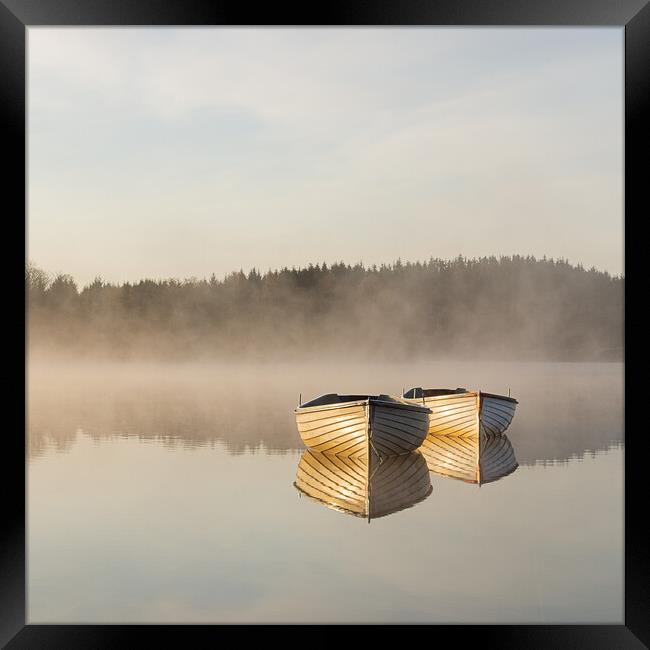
(372, 401)
(503, 397)
(456, 393)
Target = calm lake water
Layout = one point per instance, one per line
(162, 493)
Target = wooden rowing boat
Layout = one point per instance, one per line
(477, 459)
(369, 487)
(351, 424)
(462, 413)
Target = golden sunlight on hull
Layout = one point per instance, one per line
(464, 413)
(349, 424)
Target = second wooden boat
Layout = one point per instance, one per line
(352, 424)
(464, 413)
(369, 487)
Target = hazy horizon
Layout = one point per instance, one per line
(52, 274)
(507, 307)
(183, 152)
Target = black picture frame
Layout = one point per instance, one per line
(634, 15)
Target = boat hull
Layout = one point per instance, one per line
(350, 428)
(468, 413)
(496, 413)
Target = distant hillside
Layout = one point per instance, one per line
(507, 307)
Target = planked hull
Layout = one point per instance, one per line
(335, 431)
(349, 428)
(368, 487)
(480, 459)
(397, 431)
(496, 413)
(464, 413)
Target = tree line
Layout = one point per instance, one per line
(510, 307)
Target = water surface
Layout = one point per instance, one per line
(165, 493)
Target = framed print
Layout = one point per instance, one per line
(328, 320)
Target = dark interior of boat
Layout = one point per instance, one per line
(415, 393)
(418, 393)
(335, 398)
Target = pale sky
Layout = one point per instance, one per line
(169, 152)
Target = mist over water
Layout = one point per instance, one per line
(564, 411)
(165, 492)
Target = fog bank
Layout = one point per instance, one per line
(517, 308)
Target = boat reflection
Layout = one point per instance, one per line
(478, 459)
(364, 486)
